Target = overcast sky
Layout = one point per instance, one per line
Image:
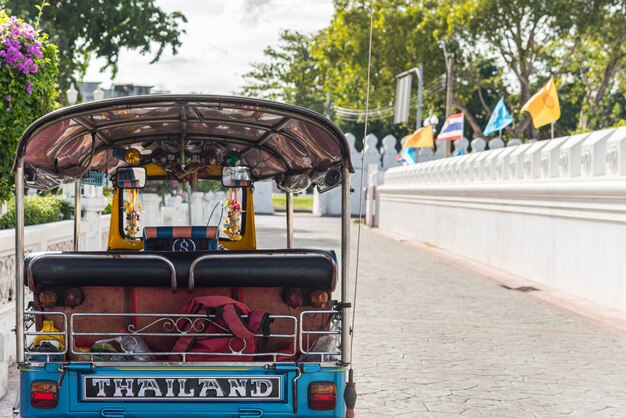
(223, 37)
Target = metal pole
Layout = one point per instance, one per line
(346, 330)
(77, 215)
(327, 106)
(289, 204)
(19, 261)
(420, 88)
(190, 218)
(450, 77)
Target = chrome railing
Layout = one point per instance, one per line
(301, 336)
(319, 340)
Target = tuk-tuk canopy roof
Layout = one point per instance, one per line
(271, 138)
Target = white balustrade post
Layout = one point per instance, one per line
(92, 204)
(151, 213)
(593, 153)
(390, 153)
(440, 145)
(616, 153)
(460, 146)
(478, 144)
(496, 143)
(198, 216)
(263, 197)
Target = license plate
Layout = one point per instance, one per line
(185, 388)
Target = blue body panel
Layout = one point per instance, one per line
(71, 401)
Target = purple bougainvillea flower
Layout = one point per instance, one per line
(29, 87)
(7, 109)
(8, 98)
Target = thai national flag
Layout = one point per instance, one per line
(453, 128)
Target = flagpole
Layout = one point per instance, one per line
(500, 136)
(552, 130)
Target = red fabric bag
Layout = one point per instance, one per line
(228, 320)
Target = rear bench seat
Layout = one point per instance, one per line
(267, 268)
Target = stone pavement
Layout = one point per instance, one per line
(435, 340)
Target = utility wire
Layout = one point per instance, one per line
(358, 240)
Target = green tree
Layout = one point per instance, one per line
(88, 28)
(28, 74)
(502, 48)
(599, 63)
(292, 75)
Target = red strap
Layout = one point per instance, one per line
(234, 323)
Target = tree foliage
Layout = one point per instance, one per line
(28, 73)
(502, 48)
(89, 28)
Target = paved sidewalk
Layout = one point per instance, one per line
(435, 340)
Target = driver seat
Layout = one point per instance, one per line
(180, 238)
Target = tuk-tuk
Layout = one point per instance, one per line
(183, 320)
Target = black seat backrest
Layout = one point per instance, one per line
(314, 269)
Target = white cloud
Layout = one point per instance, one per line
(222, 39)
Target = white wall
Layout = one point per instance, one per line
(553, 211)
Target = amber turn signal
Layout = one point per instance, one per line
(318, 298)
(132, 156)
(48, 298)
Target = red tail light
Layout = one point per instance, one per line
(44, 394)
(322, 396)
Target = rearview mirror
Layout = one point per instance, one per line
(130, 178)
(238, 176)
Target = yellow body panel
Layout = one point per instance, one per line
(118, 242)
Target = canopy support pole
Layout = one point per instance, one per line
(346, 330)
(19, 262)
(289, 207)
(77, 214)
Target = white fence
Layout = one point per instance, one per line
(56, 236)
(551, 211)
(376, 162)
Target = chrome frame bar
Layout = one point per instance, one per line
(43, 256)
(19, 261)
(42, 333)
(346, 328)
(302, 332)
(173, 319)
(289, 207)
(77, 215)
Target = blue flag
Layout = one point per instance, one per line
(409, 156)
(500, 119)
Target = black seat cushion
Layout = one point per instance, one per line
(268, 268)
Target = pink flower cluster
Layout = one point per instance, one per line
(19, 49)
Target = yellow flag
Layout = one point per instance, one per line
(422, 138)
(544, 105)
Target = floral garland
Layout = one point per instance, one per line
(132, 215)
(232, 223)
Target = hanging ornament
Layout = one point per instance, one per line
(232, 158)
(132, 215)
(232, 222)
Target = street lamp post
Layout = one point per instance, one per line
(72, 95)
(98, 94)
